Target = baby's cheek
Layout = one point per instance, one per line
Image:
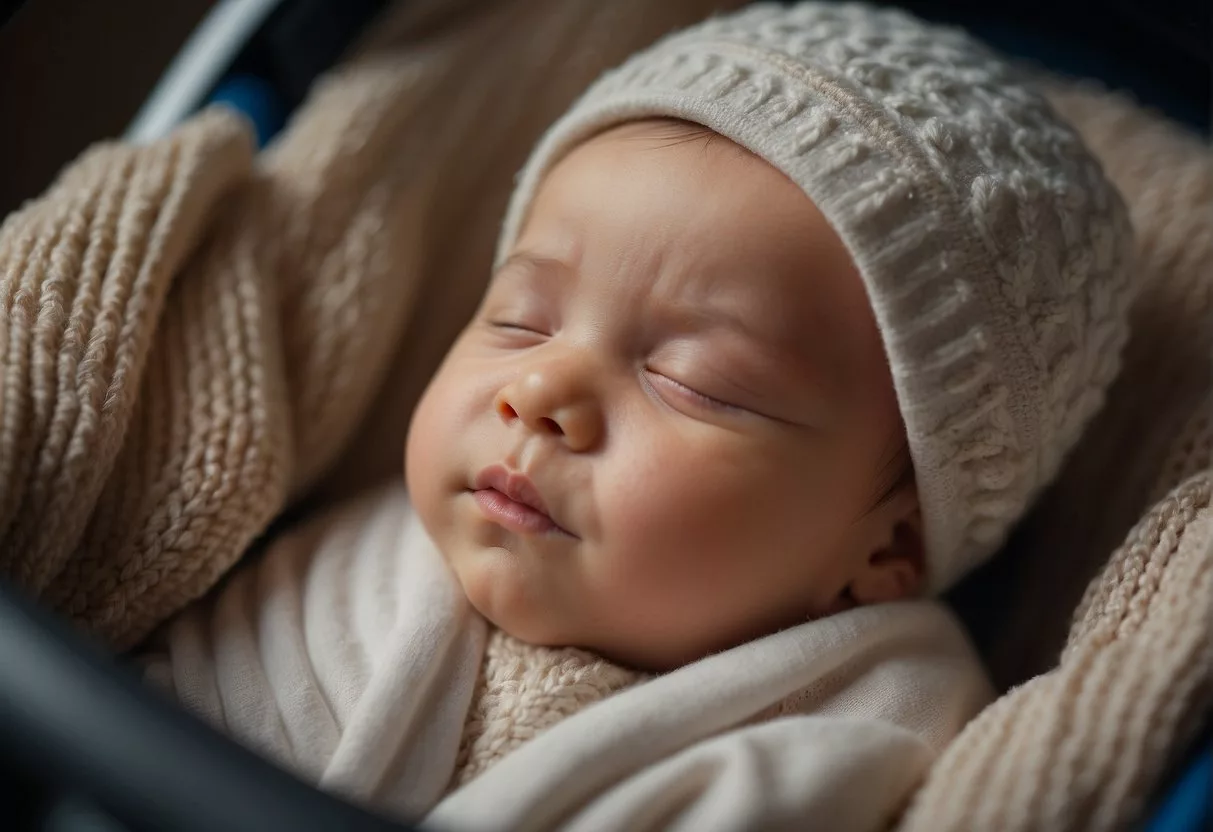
(432, 453)
(675, 523)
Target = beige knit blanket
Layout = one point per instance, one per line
(193, 340)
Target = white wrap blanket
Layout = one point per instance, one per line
(349, 654)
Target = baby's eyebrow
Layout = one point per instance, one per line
(531, 262)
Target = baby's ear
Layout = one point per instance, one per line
(895, 570)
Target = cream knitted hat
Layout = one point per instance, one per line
(993, 250)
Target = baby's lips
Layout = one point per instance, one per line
(516, 486)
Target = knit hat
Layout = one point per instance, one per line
(993, 250)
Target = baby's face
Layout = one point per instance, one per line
(664, 430)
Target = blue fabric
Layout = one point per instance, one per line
(1188, 805)
(257, 99)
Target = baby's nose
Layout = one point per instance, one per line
(554, 403)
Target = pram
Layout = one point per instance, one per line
(62, 725)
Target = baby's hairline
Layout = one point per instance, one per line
(896, 471)
(677, 131)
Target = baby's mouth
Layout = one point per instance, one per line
(513, 515)
(511, 500)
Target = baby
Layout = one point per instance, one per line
(671, 427)
(793, 316)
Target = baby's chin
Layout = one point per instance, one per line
(523, 617)
(523, 605)
(496, 586)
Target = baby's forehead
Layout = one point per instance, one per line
(696, 211)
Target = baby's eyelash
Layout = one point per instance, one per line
(515, 327)
(709, 400)
(703, 398)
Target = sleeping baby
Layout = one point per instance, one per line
(793, 315)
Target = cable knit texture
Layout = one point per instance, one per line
(167, 311)
(994, 251)
(523, 690)
(108, 486)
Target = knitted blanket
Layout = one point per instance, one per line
(193, 340)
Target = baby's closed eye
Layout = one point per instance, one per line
(667, 385)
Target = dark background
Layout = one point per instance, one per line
(76, 71)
